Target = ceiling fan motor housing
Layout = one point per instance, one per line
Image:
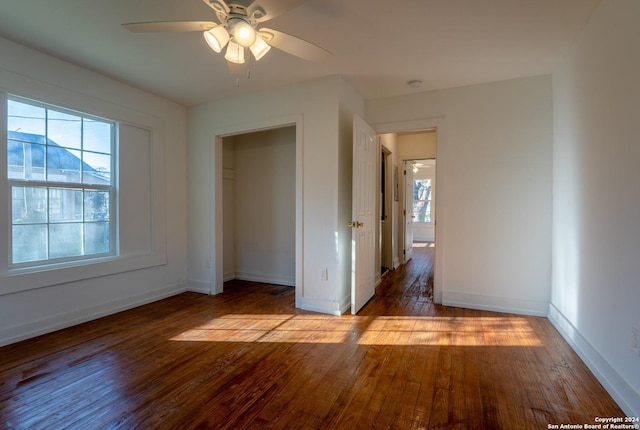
(235, 8)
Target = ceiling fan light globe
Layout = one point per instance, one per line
(235, 53)
(259, 48)
(217, 38)
(243, 33)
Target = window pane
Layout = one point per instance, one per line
(25, 118)
(64, 129)
(29, 243)
(65, 205)
(421, 211)
(97, 136)
(97, 168)
(63, 165)
(422, 189)
(60, 214)
(96, 205)
(25, 160)
(96, 238)
(28, 205)
(65, 240)
(422, 200)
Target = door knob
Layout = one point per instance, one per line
(355, 224)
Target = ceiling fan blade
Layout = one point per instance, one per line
(169, 26)
(269, 9)
(294, 45)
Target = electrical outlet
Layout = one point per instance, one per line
(635, 341)
(323, 274)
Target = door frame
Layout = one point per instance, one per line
(216, 249)
(438, 124)
(418, 225)
(385, 239)
(407, 211)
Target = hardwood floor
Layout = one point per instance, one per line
(249, 359)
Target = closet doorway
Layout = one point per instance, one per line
(259, 206)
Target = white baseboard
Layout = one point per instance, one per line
(627, 398)
(323, 306)
(50, 324)
(266, 278)
(345, 304)
(199, 287)
(497, 304)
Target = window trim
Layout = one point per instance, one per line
(18, 280)
(44, 183)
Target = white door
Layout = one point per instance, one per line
(408, 210)
(363, 221)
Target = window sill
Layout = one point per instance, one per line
(24, 279)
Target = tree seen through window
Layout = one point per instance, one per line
(422, 200)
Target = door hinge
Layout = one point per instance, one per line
(404, 212)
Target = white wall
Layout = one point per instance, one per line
(264, 206)
(150, 270)
(494, 189)
(596, 231)
(419, 145)
(321, 172)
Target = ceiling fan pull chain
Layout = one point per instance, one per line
(238, 80)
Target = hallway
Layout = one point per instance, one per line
(407, 290)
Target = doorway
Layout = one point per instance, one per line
(421, 200)
(259, 206)
(215, 211)
(414, 143)
(417, 150)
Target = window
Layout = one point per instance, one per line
(422, 204)
(62, 192)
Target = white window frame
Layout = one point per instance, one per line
(52, 185)
(432, 210)
(133, 255)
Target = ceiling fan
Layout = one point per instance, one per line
(239, 29)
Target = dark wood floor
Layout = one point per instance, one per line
(249, 359)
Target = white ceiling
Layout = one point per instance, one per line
(378, 45)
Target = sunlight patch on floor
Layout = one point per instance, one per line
(450, 331)
(381, 330)
(423, 245)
